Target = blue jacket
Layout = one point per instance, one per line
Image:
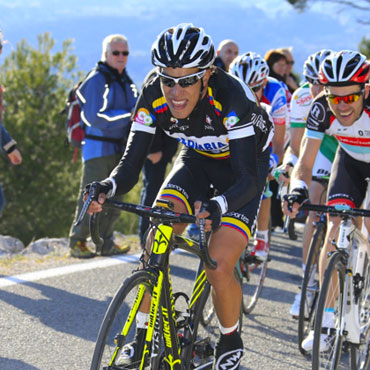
(7, 144)
(106, 110)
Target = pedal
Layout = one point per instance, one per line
(203, 349)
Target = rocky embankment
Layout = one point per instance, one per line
(16, 258)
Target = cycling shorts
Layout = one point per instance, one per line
(347, 183)
(193, 175)
(322, 166)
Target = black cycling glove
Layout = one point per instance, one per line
(297, 195)
(215, 213)
(105, 187)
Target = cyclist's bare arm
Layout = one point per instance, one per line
(302, 171)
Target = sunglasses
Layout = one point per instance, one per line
(186, 81)
(124, 53)
(290, 62)
(257, 87)
(348, 99)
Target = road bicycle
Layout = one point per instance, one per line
(174, 339)
(347, 283)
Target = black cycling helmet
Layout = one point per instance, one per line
(183, 46)
(311, 66)
(344, 68)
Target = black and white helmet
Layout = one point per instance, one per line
(250, 67)
(311, 66)
(344, 68)
(183, 46)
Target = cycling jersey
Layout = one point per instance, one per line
(299, 109)
(226, 125)
(274, 95)
(355, 139)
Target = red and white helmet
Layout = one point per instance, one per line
(183, 46)
(344, 68)
(250, 67)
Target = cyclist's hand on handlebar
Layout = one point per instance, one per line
(293, 200)
(211, 211)
(100, 191)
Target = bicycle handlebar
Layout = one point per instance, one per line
(158, 213)
(337, 210)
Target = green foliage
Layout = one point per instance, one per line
(364, 47)
(41, 192)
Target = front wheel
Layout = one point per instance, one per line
(119, 324)
(328, 337)
(309, 290)
(360, 353)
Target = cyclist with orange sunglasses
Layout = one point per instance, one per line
(341, 110)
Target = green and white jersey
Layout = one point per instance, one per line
(300, 108)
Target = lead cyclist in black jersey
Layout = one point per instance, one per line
(226, 137)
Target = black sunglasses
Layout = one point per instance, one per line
(182, 81)
(124, 53)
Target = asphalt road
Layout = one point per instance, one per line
(51, 322)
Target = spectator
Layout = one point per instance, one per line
(9, 146)
(277, 63)
(290, 78)
(226, 52)
(105, 112)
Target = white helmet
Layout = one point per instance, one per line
(183, 46)
(250, 67)
(311, 66)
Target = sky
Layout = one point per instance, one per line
(254, 25)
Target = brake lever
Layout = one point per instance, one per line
(90, 198)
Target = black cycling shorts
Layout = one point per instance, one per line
(194, 176)
(347, 183)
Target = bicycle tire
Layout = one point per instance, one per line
(360, 353)
(306, 310)
(115, 317)
(331, 358)
(253, 276)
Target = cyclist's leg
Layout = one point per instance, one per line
(347, 185)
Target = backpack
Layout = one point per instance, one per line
(74, 128)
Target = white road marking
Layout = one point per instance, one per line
(7, 281)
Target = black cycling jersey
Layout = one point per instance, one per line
(228, 114)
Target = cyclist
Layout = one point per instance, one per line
(253, 70)
(341, 110)
(226, 136)
(300, 107)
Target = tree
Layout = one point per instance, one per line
(362, 5)
(364, 47)
(41, 193)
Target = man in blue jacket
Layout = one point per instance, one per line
(107, 97)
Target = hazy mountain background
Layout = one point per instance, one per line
(255, 27)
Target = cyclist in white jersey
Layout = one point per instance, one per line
(342, 110)
(300, 107)
(253, 70)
